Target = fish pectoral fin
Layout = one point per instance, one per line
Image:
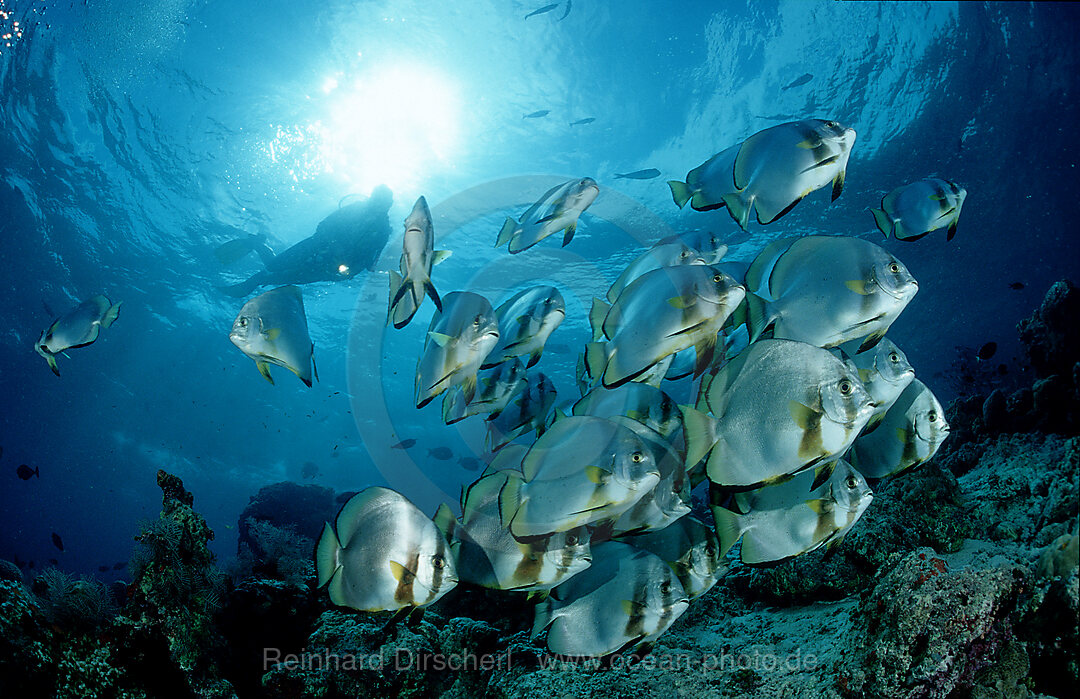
(52, 364)
(630, 607)
(872, 339)
(859, 286)
(819, 507)
(902, 435)
(272, 334)
(264, 369)
(506, 232)
(568, 233)
(438, 256)
(952, 229)
(597, 475)
(441, 339)
(400, 572)
(682, 302)
(838, 184)
(803, 415)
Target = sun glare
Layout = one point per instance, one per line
(391, 127)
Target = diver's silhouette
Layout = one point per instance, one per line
(345, 242)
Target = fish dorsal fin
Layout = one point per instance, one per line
(444, 520)
(822, 474)
(441, 339)
(486, 489)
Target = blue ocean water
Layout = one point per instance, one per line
(137, 137)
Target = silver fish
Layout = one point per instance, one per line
(668, 254)
(418, 255)
(272, 329)
(708, 183)
(627, 598)
(709, 245)
(529, 409)
(777, 522)
(489, 556)
(826, 290)
(691, 549)
(777, 167)
(780, 407)
(557, 210)
(668, 500)
(495, 388)
(581, 470)
(78, 328)
(383, 554)
(912, 211)
(885, 372)
(458, 340)
(646, 174)
(909, 434)
(526, 321)
(658, 314)
(638, 401)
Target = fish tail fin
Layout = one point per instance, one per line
(597, 314)
(506, 232)
(740, 210)
(542, 617)
(757, 317)
(884, 223)
(111, 315)
(510, 498)
(700, 433)
(680, 192)
(728, 527)
(454, 407)
(596, 359)
(327, 559)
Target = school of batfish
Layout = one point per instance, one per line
(797, 401)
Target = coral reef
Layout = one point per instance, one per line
(288, 506)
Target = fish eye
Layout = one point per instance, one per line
(243, 322)
(718, 278)
(831, 124)
(894, 268)
(932, 417)
(637, 457)
(894, 357)
(851, 482)
(438, 562)
(571, 540)
(665, 587)
(846, 388)
(476, 321)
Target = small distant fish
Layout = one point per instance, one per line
(26, 473)
(801, 80)
(914, 210)
(581, 122)
(440, 453)
(345, 497)
(543, 10)
(119, 565)
(557, 210)
(646, 174)
(310, 470)
(57, 542)
(78, 328)
(537, 114)
(1015, 286)
(987, 351)
(404, 444)
(470, 463)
